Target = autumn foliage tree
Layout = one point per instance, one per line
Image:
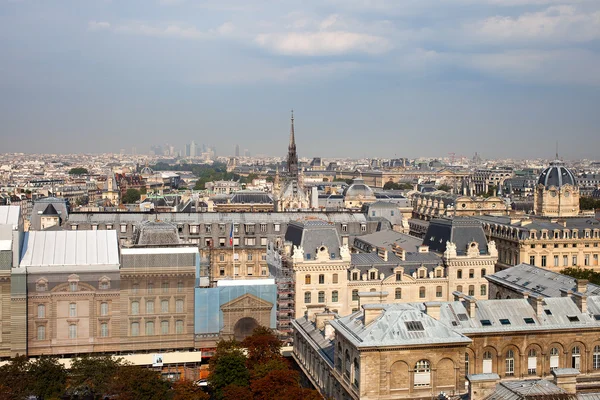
(269, 374)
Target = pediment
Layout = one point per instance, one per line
(247, 301)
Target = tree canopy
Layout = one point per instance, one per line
(259, 372)
(131, 196)
(589, 203)
(397, 186)
(78, 171)
(582, 273)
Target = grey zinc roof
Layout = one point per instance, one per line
(460, 230)
(317, 340)
(515, 311)
(388, 238)
(528, 389)
(312, 235)
(391, 328)
(529, 278)
(557, 175)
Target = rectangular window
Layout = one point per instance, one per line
(179, 327)
(263, 271)
(72, 331)
(250, 241)
(334, 296)
(179, 306)
(586, 260)
(165, 287)
(398, 276)
(565, 261)
(164, 327)
(123, 228)
(263, 241)
(135, 329)
(321, 297)
(263, 227)
(193, 229)
(164, 306)
(149, 328)
(72, 310)
(543, 261)
(104, 329)
(574, 261)
(208, 228)
(250, 270)
(276, 227)
(249, 256)
(307, 297)
(41, 332)
(344, 228)
(532, 260)
(556, 261)
(149, 307)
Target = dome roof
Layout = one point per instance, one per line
(557, 175)
(147, 171)
(359, 188)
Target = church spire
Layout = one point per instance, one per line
(292, 160)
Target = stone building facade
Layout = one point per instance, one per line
(442, 204)
(556, 193)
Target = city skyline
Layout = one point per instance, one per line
(504, 79)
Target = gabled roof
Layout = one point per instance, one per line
(50, 210)
(460, 231)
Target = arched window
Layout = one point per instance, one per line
(532, 362)
(321, 297)
(307, 279)
(179, 306)
(471, 273)
(321, 279)
(554, 359)
(72, 310)
(459, 274)
(422, 292)
(575, 357)
(356, 373)
(135, 329)
(334, 296)
(471, 290)
(483, 290)
(422, 373)
(179, 327)
(334, 278)
(164, 306)
(438, 291)
(104, 329)
(103, 308)
(459, 288)
(354, 294)
(596, 358)
(135, 288)
(135, 307)
(466, 363)
(510, 363)
(179, 287)
(338, 364)
(347, 364)
(487, 362)
(149, 328)
(483, 272)
(398, 293)
(165, 287)
(41, 311)
(307, 297)
(41, 332)
(372, 290)
(164, 327)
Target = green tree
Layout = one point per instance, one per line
(131, 196)
(134, 382)
(445, 188)
(228, 367)
(589, 203)
(187, 390)
(78, 171)
(47, 378)
(94, 374)
(14, 379)
(391, 186)
(582, 273)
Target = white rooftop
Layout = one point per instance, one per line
(9, 215)
(68, 248)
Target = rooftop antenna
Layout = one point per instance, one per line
(557, 150)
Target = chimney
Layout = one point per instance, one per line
(321, 318)
(400, 252)
(329, 331)
(371, 312)
(312, 310)
(538, 304)
(470, 305)
(382, 252)
(482, 385)
(566, 379)
(432, 308)
(423, 249)
(566, 293)
(458, 295)
(365, 298)
(581, 300)
(582, 285)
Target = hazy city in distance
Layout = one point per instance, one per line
(315, 200)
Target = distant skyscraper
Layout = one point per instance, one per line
(193, 149)
(246, 153)
(292, 160)
(237, 150)
(187, 150)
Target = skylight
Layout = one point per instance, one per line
(529, 320)
(573, 318)
(486, 322)
(505, 321)
(414, 326)
(463, 317)
(548, 312)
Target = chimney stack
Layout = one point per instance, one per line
(432, 308)
(582, 285)
(371, 312)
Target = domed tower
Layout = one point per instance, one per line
(358, 193)
(556, 193)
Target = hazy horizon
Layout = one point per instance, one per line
(381, 78)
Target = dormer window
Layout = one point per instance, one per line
(73, 282)
(41, 285)
(373, 275)
(104, 283)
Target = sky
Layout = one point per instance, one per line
(366, 78)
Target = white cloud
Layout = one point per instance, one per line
(226, 28)
(98, 25)
(323, 43)
(556, 24)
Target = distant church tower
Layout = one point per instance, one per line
(292, 160)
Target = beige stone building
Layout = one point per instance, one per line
(72, 292)
(418, 350)
(455, 256)
(443, 204)
(557, 192)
